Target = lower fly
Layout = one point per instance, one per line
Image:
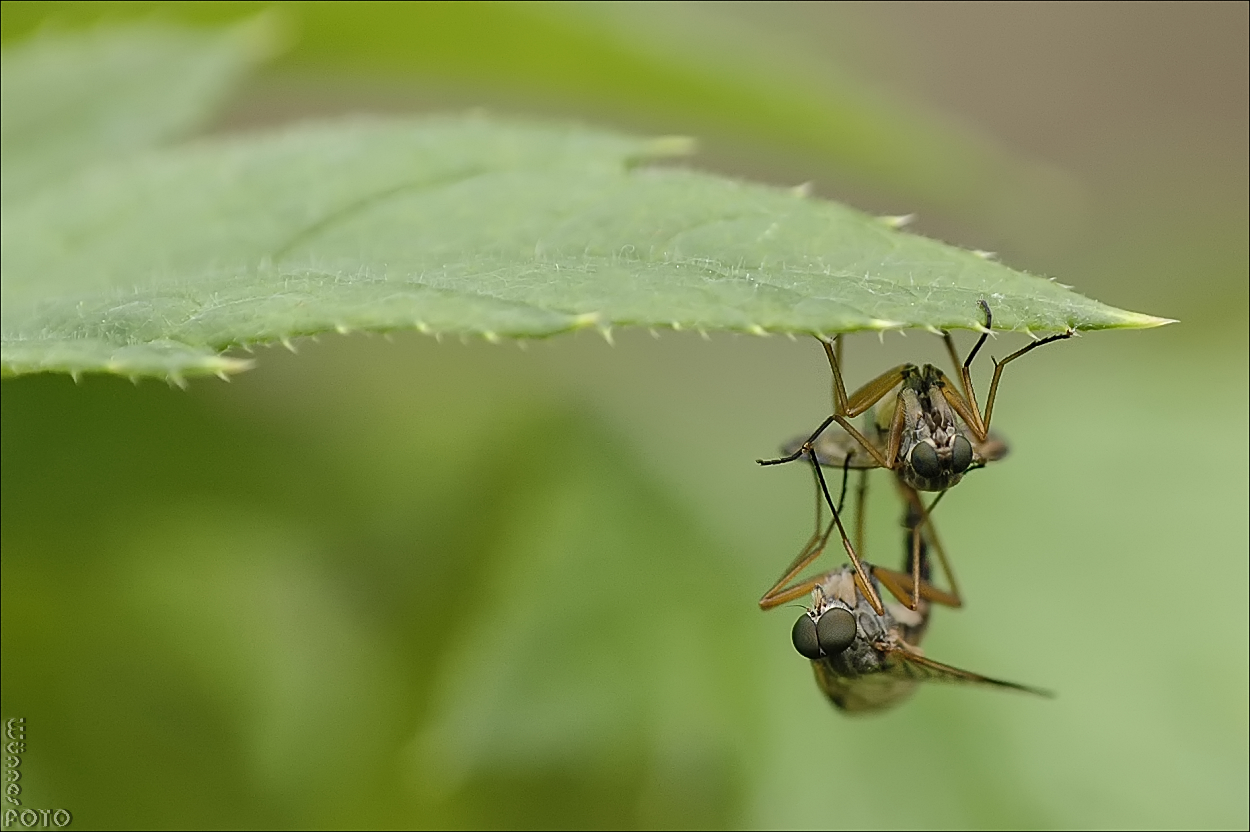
(866, 660)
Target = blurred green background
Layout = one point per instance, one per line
(397, 582)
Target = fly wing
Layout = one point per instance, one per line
(832, 448)
(865, 693)
(904, 662)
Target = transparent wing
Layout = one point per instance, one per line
(832, 449)
(905, 663)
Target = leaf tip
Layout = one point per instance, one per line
(987, 255)
(606, 332)
(803, 190)
(1136, 320)
(286, 342)
(756, 329)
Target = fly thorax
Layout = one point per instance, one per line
(935, 452)
(874, 627)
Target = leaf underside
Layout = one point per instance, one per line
(465, 225)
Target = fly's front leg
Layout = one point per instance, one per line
(861, 576)
(999, 365)
(967, 406)
(861, 502)
(779, 593)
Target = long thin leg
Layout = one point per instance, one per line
(901, 586)
(963, 368)
(925, 525)
(966, 405)
(846, 470)
(866, 396)
(808, 447)
(967, 412)
(836, 358)
(779, 593)
(861, 502)
(998, 368)
(845, 408)
(861, 576)
(951, 352)
(980, 425)
(916, 542)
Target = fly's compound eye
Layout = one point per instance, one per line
(805, 639)
(835, 631)
(961, 454)
(924, 460)
(832, 633)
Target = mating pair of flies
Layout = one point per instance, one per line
(865, 653)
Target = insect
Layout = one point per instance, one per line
(866, 660)
(918, 436)
(837, 449)
(918, 519)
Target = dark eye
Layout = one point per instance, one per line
(835, 631)
(805, 639)
(924, 460)
(961, 454)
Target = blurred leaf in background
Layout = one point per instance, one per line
(384, 584)
(651, 68)
(148, 84)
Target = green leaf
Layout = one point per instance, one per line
(460, 225)
(689, 68)
(72, 100)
